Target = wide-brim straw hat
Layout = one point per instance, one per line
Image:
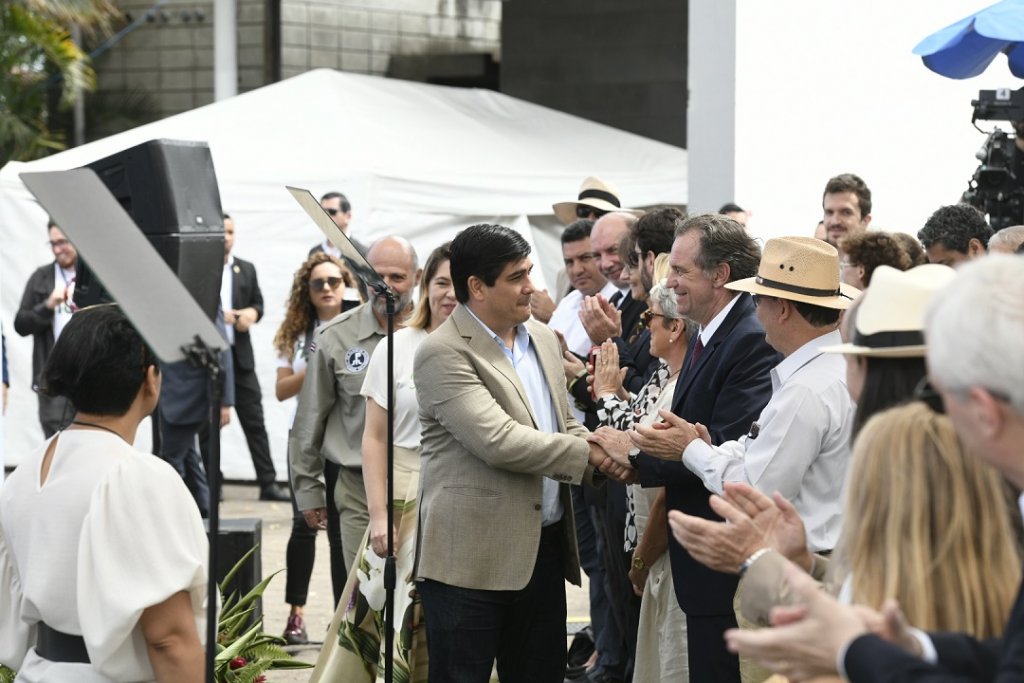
(799, 269)
(594, 192)
(889, 322)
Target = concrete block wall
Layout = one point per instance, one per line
(618, 62)
(171, 58)
(361, 35)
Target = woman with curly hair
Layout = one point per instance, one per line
(865, 251)
(317, 296)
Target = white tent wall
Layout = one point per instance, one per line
(416, 160)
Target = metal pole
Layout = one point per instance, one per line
(225, 49)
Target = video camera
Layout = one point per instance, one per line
(997, 186)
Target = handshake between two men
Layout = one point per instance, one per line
(666, 440)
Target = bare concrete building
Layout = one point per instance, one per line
(170, 57)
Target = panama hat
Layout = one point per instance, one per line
(889, 323)
(596, 193)
(799, 269)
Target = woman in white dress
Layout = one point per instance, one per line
(103, 556)
(353, 650)
(318, 295)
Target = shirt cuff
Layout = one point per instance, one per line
(700, 458)
(928, 651)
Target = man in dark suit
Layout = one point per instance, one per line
(973, 327)
(724, 385)
(183, 416)
(242, 303)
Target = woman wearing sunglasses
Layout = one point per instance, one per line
(317, 296)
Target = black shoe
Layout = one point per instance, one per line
(580, 651)
(275, 493)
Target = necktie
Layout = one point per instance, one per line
(697, 350)
(616, 298)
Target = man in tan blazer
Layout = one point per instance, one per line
(496, 540)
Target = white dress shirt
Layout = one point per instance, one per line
(227, 283)
(566, 319)
(525, 362)
(800, 444)
(708, 331)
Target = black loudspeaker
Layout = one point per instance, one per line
(169, 188)
(237, 537)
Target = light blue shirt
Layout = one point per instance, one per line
(523, 356)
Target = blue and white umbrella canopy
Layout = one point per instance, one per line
(966, 48)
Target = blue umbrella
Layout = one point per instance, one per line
(966, 48)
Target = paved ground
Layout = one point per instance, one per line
(242, 501)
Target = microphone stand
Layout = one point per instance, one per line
(390, 570)
(199, 355)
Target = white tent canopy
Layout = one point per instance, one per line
(417, 160)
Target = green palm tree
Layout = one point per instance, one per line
(37, 56)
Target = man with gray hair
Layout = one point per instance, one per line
(1007, 240)
(328, 427)
(724, 384)
(973, 327)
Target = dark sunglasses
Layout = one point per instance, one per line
(649, 315)
(584, 211)
(926, 393)
(758, 298)
(317, 284)
(334, 212)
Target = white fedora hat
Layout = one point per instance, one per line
(889, 322)
(799, 269)
(595, 193)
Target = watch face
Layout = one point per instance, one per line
(638, 563)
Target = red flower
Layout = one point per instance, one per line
(237, 663)
(261, 679)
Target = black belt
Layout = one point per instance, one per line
(55, 646)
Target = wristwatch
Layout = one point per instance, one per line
(639, 564)
(632, 455)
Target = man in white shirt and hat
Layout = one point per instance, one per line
(800, 444)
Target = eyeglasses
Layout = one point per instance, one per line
(333, 212)
(758, 298)
(585, 211)
(649, 315)
(56, 244)
(845, 264)
(317, 284)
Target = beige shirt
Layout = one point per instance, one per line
(331, 411)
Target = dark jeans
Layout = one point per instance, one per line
(625, 605)
(524, 630)
(607, 637)
(301, 550)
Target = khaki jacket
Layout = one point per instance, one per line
(483, 460)
(331, 412)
